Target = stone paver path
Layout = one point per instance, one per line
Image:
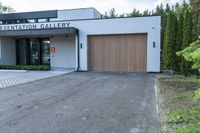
(15, 78)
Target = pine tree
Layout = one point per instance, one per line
(179, 41)
(134, 13)
(112, 14)
(195, 11)
(187, 38)
(168, 54)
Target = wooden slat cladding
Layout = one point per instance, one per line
(120, 53)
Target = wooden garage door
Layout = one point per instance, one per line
(121, 53)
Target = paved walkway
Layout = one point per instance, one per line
(15, 78)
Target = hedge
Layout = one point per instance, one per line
(26, 67)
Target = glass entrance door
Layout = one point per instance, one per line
(45, 51)
(33, 51)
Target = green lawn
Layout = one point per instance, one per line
(178, 105)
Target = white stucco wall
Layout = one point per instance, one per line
(150, 25)
(64, 57)
(7, 51)
(73, 14)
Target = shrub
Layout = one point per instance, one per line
(26, 67)
(197, 94)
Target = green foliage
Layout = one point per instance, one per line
(134, 13)
(191, 128)
(188, 117)
(147, 13)
(187, 38)
(5, 9)
(168, 54)
(192, 54)
(187, 29)
(197, 94)
(28, 67)
(111, 14)
(185, 115)
(195, 10)
(179, 41)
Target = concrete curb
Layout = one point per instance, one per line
(17, 71)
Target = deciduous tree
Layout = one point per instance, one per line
(5, 9)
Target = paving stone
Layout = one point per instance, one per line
(15, 78)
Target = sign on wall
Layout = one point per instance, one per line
(34, 26)
(53, 49)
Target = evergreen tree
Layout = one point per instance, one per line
(195, 11)
(134, 13)
(179, 41)
(187, 38)
(112, 14)
(168, 54)
(122, 15)
(167, 9)
(146, 13)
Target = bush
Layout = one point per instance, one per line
(197, 94)
(26, 67)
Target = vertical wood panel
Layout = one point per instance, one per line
(122, 53)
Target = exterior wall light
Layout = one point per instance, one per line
(81, 45)
(154, 44)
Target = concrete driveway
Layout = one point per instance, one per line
(81, 103)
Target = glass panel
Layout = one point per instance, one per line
(22, 52)
(42, 20)
(31, 21)
(34, 52)
(45, 52)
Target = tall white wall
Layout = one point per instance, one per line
(64, 57)
(7, 51)
(74, 14)
(150, 25)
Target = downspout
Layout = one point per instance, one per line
(78, 50)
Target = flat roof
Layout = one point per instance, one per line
(40, 32)
(29, 15)
(37, 14)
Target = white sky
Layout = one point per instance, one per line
(121, 6)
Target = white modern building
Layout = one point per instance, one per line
(80, 39)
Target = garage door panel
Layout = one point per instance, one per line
(124, 53)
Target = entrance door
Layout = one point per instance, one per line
(45, 51)
(34, 52)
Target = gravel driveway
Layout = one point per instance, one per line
(81, 103)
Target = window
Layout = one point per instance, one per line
(42, 20)
(31, 20)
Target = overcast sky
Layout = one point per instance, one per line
(101, 5)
